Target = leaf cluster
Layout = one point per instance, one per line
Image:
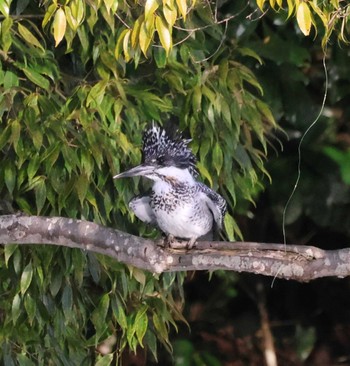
(331, 16)
(75, 94)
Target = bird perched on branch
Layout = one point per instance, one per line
(177, 204)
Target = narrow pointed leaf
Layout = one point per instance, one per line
(304, 18)
(164, 34)
(59, 26)
(28, 36)
(26, 277)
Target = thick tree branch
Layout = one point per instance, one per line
(301, 263)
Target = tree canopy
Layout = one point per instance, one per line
(79, 80)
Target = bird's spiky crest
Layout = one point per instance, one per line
(166, 149)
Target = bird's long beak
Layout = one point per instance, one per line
(136, 171)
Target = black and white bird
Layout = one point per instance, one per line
(177, 204)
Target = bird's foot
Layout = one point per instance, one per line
(191, 243)
(169, 240)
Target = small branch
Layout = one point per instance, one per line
(301, 263)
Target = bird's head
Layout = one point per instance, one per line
(164, 156)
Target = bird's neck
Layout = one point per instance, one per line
(173, 177)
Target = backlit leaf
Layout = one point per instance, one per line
(231, 228)
(26, 277)
(40, 195)
(144, 38)
(150, 7)
(8, 251)
(5, 7)
(141, 323)
(29, 36)
(304, 18)
(105, 360)
(170, 14)
(126, 45)
(260, 4)
(59, 26)
(10, 176)
(182, 6)
(217, 158)
(164, 34)
(16, 308)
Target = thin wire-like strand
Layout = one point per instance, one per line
(299, 148)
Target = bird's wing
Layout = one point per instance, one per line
(140, 205)
(217, 205)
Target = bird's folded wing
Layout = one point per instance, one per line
(216, 204)
(140, 205)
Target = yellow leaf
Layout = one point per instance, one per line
(150, 7)
(144, 38)
(111, 5)
(126, 45)
(291, 6)
(136, 31)
(59, 26)
(120, 42)
(260, 4)
(170, 14)
(78, 10)
(304, 18)
(182, 5)
(164, 34)
(319, 12)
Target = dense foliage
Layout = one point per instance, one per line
(79, 81)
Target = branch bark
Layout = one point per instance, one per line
(297, 262)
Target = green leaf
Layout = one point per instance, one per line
(160, 327)
(67, 300)
(204, 172)
(217, 158)
(119, 313)
(15, 133)
(16, 308)
(97, 93)
(141, 323)
(36, 78)
(81, 186)
(99, 316)
(29, 37)
(5, 7)
(30, 306)
(10, 80)
(8, 251)
(49, 13)
(10, 176)
(105, 360)
(26, 277)
(231, 228)
(40, 195)
(23, 360)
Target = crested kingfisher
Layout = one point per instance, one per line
(177, 203)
